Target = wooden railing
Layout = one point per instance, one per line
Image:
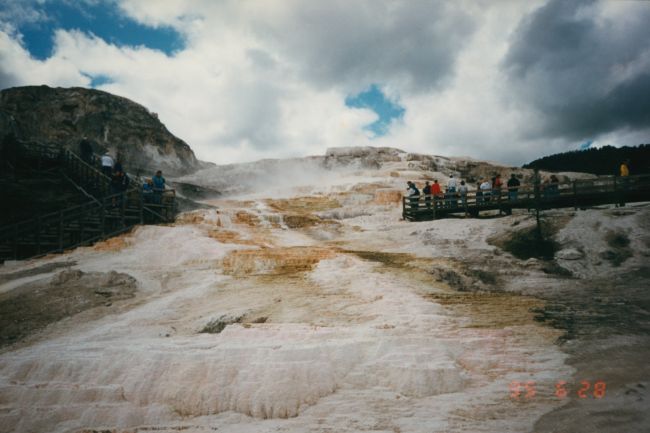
(102, 216)
(579, 193)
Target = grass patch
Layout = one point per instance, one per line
(552, 268)
(484, 277)
(528, 243)
(619, 244)
(215, 326)
(617, 239)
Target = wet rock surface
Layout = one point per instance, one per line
(569, 254)
(366, 323)
(30, 307)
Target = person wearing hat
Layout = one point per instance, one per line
(414, 194)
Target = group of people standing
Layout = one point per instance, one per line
(486, 190)
(152, 188)
(491, 189)
(115, 172)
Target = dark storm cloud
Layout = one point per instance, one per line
(581, 70)
(358, 43)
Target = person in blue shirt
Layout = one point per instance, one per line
(158, 187)
(147, 190)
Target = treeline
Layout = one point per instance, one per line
(602, 161)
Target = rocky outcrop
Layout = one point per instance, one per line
(362, 156)
(119, 125)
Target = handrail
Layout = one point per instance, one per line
(606, 189)
(154, 213)
(80, 188)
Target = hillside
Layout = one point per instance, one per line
(602, 161)
(65, 115)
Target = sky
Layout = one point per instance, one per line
(506, 81)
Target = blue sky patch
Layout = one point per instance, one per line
(586, 145)
(99, 80)
(102, 19)
(375, 100)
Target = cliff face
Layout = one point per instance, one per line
(65, 116)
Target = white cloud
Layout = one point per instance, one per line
(269, 79)
(17, 67)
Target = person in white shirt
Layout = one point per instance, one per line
(486, 188)
(451, 184)
(107, 164)
(450, 194)
(462, 190)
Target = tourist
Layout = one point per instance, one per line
(119, 185)
(450, 198)
(410, 188)
(552, 188)
(479, 194)
(486, 189)
(86, 151)
(414, 194)
(462, 190)
(436, 191)
(107, 165)
(427, 194)
(496, 187)
(625, 181)
(451, 184)
(147, 190)
(625, 168)
(513, 187)
(158, 187)
(450, 192)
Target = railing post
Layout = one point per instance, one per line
(38, 235)
(618, 195)
(141, 204)
(537, 202)
(60, 231)
(81, 224)
(122, 209)
(15, 242)
(102, 212)
(433, 202)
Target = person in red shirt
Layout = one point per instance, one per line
(496, 187)
(435, 188)
(436, 191)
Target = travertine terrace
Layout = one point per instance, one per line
(303, 303)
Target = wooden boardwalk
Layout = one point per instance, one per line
(577, 194)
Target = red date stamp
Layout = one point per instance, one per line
(527, 390)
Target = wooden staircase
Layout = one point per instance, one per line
(103, 214)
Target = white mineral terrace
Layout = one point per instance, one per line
(320, 336)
